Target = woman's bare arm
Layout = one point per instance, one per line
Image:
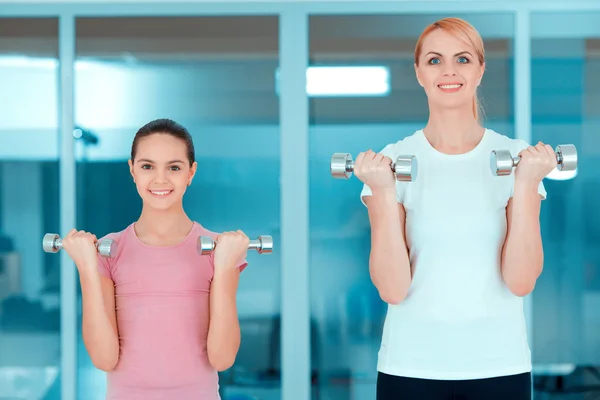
(389, 263)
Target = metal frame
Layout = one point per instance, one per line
(225, 7)
(295, 212)
(294, 32)
(67, 201)
(522, 112)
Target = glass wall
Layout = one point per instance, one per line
(216, 76)
(360, 110)
(30, 289)
(565, 110)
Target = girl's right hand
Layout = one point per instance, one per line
(374, 170)
(81, 247)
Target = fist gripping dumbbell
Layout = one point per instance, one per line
(502, 162)
(264, 244)
(52, 243)
(405, 168)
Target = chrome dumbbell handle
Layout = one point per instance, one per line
(264, 244)
(502, 162)
(405, 167)
(562, 157)
(52, 243)
(515, 160)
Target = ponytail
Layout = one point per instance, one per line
(477, 110)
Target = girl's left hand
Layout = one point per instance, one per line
(536, 163)
(231, 249)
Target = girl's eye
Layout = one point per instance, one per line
(173, 167)
(463, 60)
(434, 60)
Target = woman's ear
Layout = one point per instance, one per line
(481, 75)
(417, 74)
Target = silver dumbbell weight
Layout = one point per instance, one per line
(405, 168)
(52, 243)
(502, 162)
(264, 244)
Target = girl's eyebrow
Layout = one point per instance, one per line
(152, 162)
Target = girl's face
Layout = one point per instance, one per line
(448, 70)
(161, 171)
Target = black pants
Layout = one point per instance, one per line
(512, 387)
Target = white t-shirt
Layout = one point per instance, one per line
(459, 319)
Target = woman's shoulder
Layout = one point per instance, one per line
(505, 142)
(411, 141)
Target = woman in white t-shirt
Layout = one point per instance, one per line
(454, 252)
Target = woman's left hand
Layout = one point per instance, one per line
(536, 163)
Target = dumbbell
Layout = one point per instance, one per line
(405, 168)
(264, 244)
(52, 243)
(502, 162)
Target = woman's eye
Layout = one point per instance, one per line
(434, 61)
(463, 60)
(146, 166)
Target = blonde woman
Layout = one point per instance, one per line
(454, 252)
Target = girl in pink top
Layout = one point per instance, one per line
(158, 317)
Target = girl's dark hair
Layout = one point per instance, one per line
(167, 127)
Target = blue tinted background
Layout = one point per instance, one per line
(216, 75)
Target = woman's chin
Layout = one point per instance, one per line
(444, 103)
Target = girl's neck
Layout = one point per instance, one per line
(453, 131)
(163, 226)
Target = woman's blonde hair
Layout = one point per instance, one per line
(462, 30)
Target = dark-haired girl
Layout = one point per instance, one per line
(158, 317)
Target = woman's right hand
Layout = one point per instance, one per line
(81, 247)
(374, 170)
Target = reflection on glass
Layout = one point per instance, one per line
(347, 314)
(565, 99)
(30, 351)
(216, 76)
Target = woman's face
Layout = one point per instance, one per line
(448, 70)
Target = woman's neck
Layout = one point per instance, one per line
(453, 131)
(164, 226)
